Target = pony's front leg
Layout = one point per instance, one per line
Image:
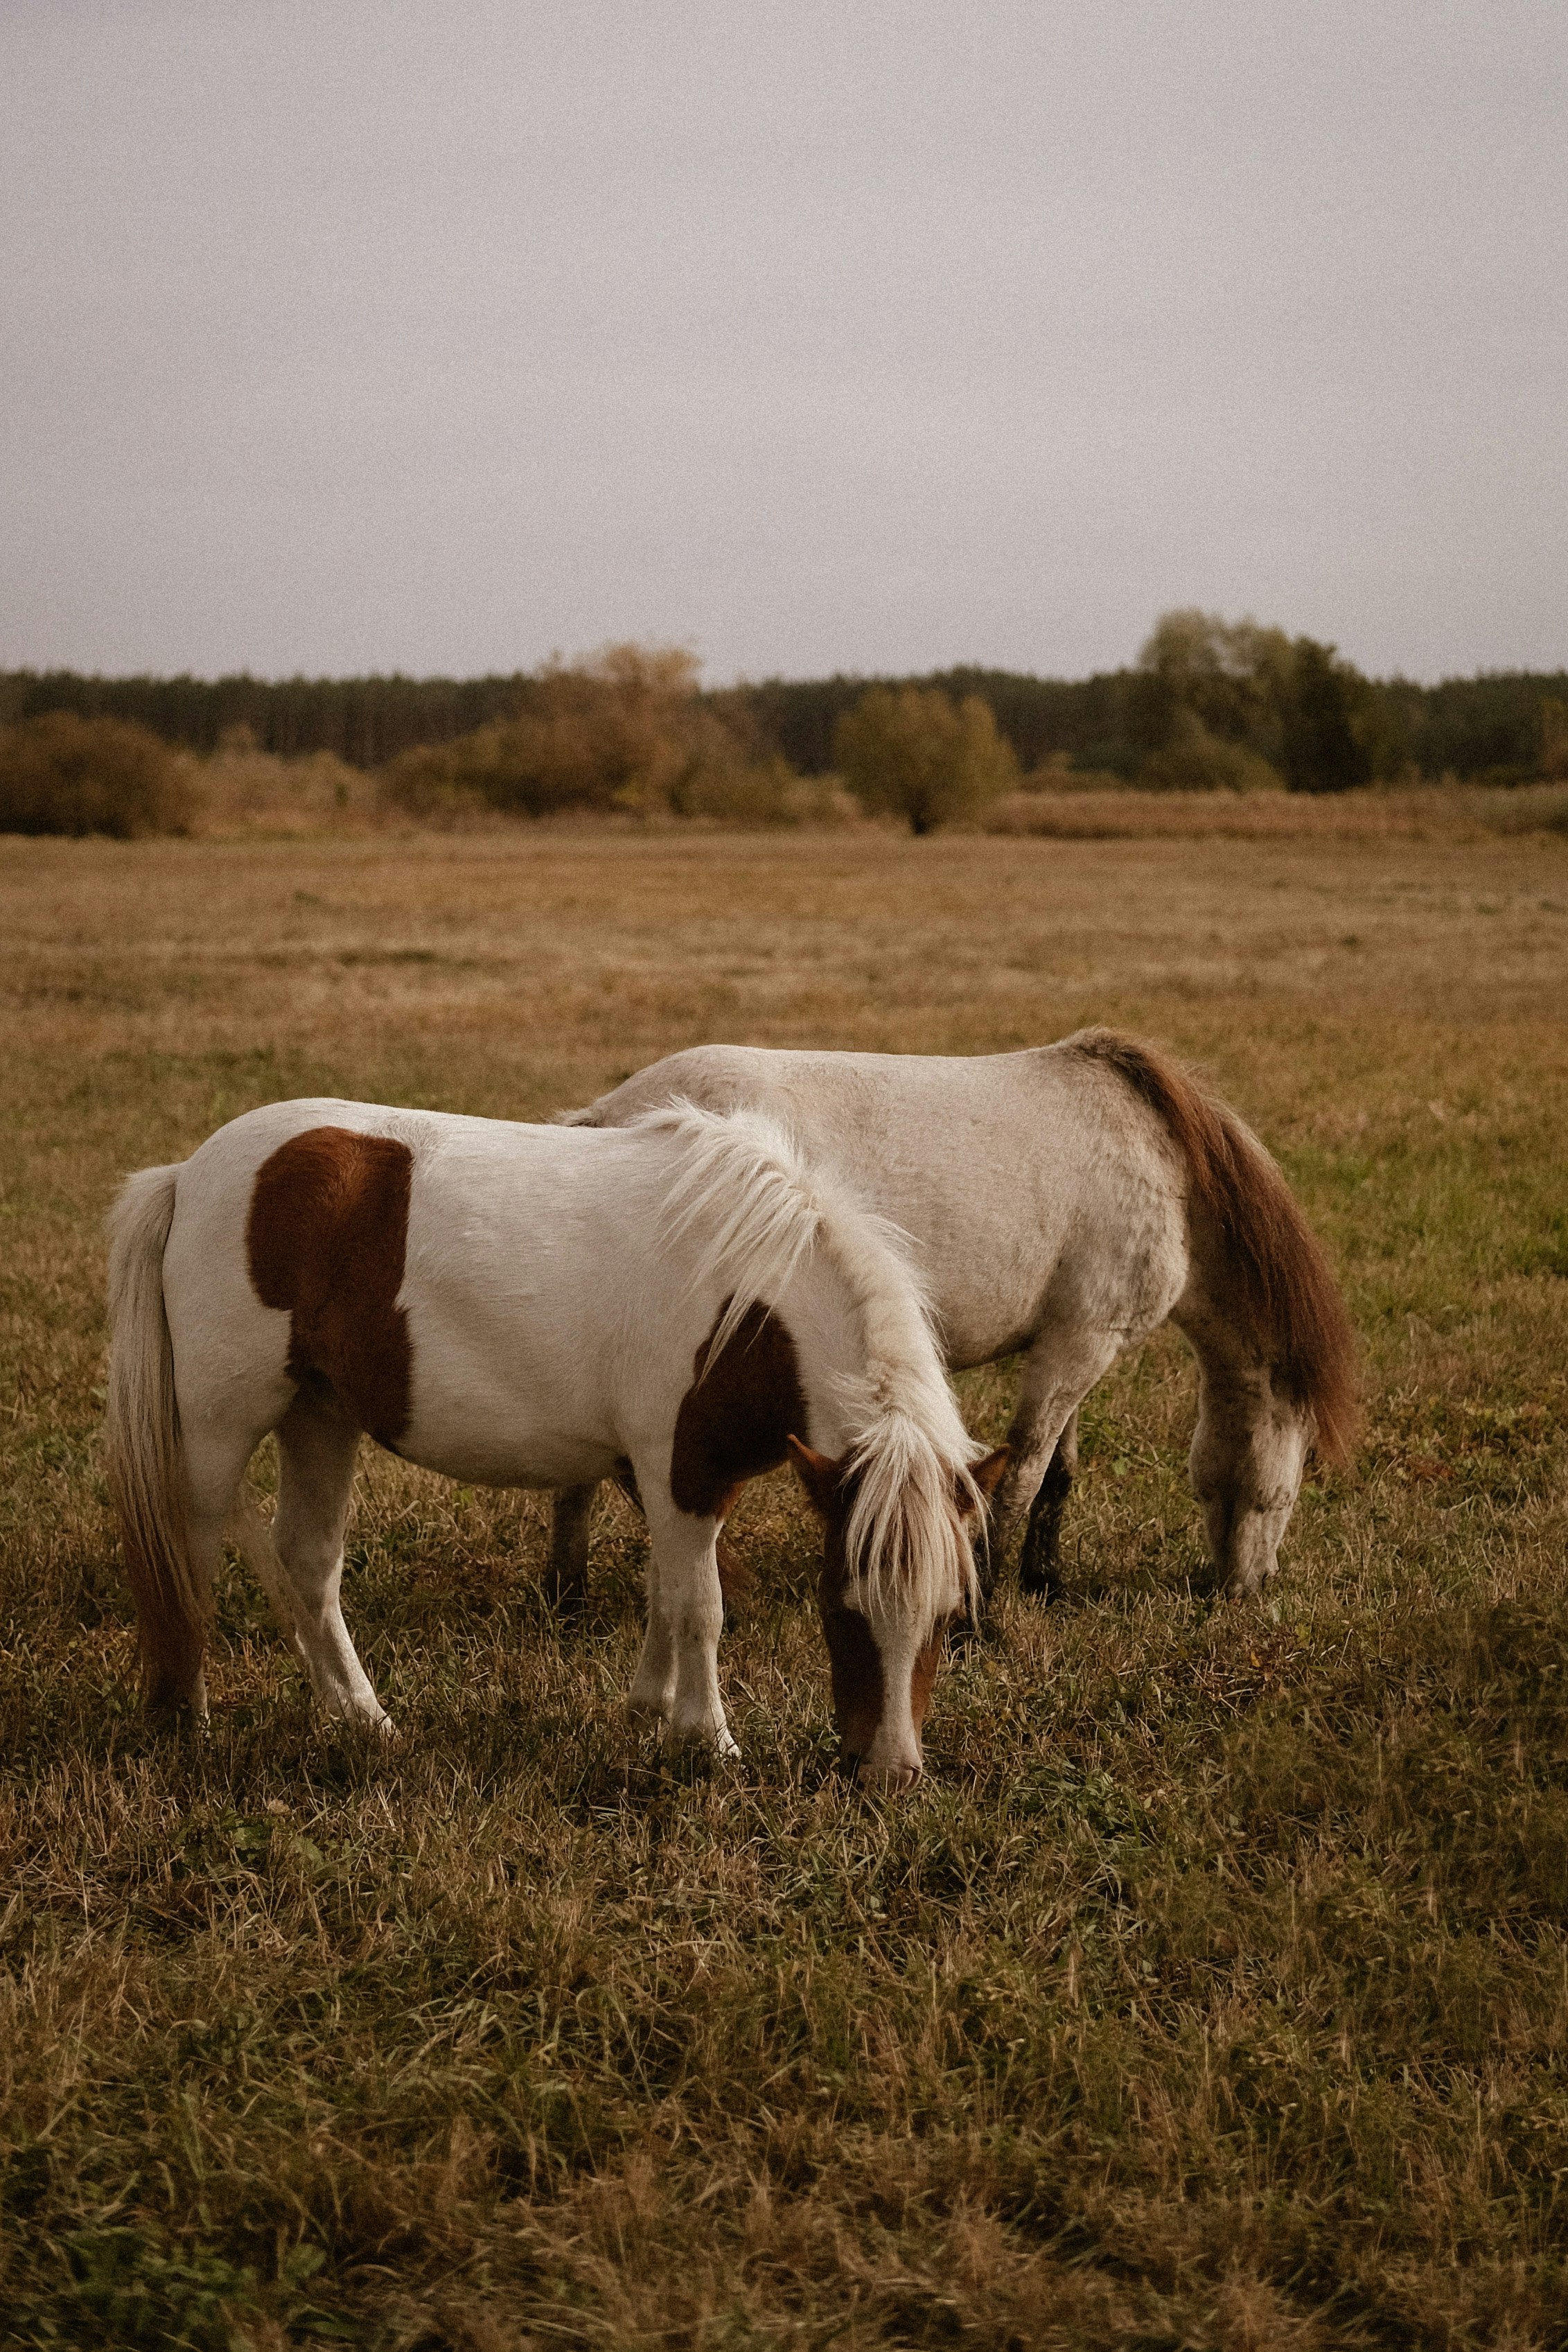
(652, 1697)
(1041, 1550)
(678, 1673)
(1245, 1464)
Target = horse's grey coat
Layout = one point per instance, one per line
(1052, 1215)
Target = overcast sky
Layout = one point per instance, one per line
(435, 337)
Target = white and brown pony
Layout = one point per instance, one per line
(684, 1302)
(1061, 1202)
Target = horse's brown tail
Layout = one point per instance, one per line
(145, 1459)
(1288, 1292)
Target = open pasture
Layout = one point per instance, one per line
(1213, 1987)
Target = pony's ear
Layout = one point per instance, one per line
(986, 1475)
(817, 1473)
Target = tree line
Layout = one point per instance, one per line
(1293, 703)
(1200, 682)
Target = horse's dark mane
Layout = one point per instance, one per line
(1287, 1288)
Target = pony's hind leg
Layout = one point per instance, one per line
(1058, 1372)
(1039, 1574)
(215, 1455)
(316, 1450)
(1248, 1451)
(566, 1578)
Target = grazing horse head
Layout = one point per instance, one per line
(885, 1631)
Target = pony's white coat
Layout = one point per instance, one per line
(558, 1286)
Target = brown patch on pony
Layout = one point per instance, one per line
(1287, 1286)
(987, 1476)
(736, 1419)
(860, 1692)
(326, 1242)
(859, 1687)
(922, 1675)
(856, 1662)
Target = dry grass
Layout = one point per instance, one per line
(1429, 812)
(1214, 1988)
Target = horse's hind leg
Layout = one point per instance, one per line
(1058, 1372)
(215, 1455)
(566, 1578)
(1038, 1561)
(316, 1451)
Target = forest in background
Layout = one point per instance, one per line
(1485, 728)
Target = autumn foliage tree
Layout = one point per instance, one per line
(916, 753)
(1222, 703)
(625, 729)
(59, 773)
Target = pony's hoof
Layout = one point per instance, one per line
(359, 1724)
(1245, 1587)
(704, 1739)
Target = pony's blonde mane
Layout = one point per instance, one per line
(756, 1209)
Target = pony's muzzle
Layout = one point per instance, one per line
(887, 1779)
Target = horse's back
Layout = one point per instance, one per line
(433, 1269)
(1033, 1183)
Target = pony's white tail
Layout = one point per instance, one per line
(145, 1459)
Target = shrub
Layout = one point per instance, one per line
(1553, 738)
(913, 752)
(1194, 760)
(625, 731)
(765, 793)
(244, 788)
(1059, 774)
(59, 773)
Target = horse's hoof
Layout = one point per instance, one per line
(704, 1739)
(887, 1779)
(363, 1727)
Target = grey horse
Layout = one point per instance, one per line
(1063, 1202)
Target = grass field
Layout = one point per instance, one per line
(1213, 1988)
